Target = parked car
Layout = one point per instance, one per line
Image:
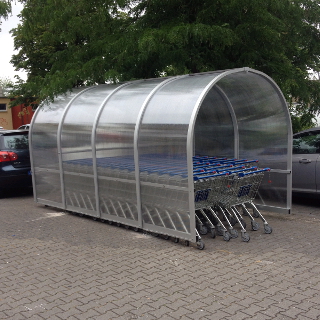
(15, 170)
(306, 162)
(24, 127)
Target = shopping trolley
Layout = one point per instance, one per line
(242, 189)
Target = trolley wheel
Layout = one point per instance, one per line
(255, 225)
(127, 227)
(94, 218)
(267, 229)
(136, 229)
(255, 214)
(220, 230)
(203, 229)
(118, 224)
(245, 237)
(186, 243)
(155, 234)
(226, 236)
(110, 222)
(165, 237)
(200, 245)
(213, 233)
(176, 240)
(233, 233)
(80, 214)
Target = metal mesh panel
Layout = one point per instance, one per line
(115, 151)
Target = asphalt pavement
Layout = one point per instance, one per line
(56, 265)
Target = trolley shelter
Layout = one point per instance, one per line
(128, 153)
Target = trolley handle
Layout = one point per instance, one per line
(205, 173)
(196, 178)
(211, 167)
(231, 169)
(242, 174)
(251, 169)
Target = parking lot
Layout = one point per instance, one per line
(56, 265)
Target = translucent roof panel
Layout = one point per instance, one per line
(76, 148)
(260, 115)
(163, 139)
(115, 150)
(214, 129)
(244, 115)
(44, 142)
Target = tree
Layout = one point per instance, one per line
(63, 44)
(6, 84)
(5, 8)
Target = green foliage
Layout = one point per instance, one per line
(5, 8)
(303, 122)
(6, 85)
(63, 44)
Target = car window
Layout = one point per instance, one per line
(16, 142)
(306, 143)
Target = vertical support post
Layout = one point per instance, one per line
(136, 142)
(234, 122)
(59, 148)
(93, 145)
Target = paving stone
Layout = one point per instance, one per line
(68, 267)
(312, 313)
(293, 312)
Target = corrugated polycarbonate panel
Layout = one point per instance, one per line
(214, 129)
(261, 118)
(263, 124)
(115, 151)
(273, 190)
(163, 155)
(43, 148)
(77, 150)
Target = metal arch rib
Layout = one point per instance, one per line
(59, 142)
(136, 138)
(31, 155)
(93, 142)
(289, 133)
(190, 133)
(234, 121)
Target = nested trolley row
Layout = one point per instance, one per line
(222, 189)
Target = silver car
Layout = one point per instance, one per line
(24, 127)
(306, 161)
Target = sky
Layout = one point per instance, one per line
(6, 40)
